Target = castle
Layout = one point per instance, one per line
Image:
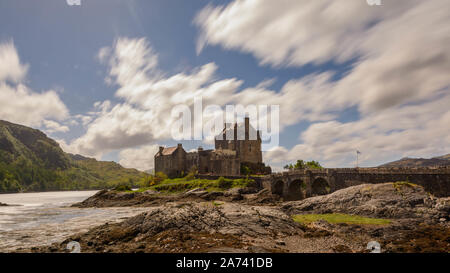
(236, 148)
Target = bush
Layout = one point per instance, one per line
(300, 165)
(122, 187)
(192, 173)
(251, 183)
(224, 183)
(245, 170)
(190, 177)
(159, 177)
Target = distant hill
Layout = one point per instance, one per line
(445, 157)
(419, 162)
(30, 161)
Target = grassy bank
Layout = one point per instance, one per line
(184, 184)
(338, 218)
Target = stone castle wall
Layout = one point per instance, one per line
(172, 165)
(237, 146)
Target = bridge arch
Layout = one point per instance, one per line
(278, 187)
(296, 190)
(320, 186)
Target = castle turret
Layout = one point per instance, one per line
(247, 128)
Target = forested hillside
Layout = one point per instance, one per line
(30, 161)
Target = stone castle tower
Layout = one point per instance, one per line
(245, 140)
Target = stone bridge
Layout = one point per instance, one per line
(300, 184)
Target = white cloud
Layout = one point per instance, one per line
(266, 83)
(144, 115)
(131, 61)
(401, 70)
(103, 54)
(122, 127)
(396, 75)
(148, 97)
(402, 46)
(141, 158)
(414, 130)
(53, 126)
(293, 33)
(18, 103)
(10, 67)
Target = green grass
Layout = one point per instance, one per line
(398, 185)
(338, 218)
(181, 184)
(217, 204)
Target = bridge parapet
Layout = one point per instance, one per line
(440, 170)
(434, 180)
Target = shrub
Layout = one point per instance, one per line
(301, 164)
(192, 173)
(159, 177)
(251, 183)
(245, 170)
(224, 183)
(189, 177)
(313, 165)
(122, 187)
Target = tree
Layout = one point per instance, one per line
(301, 165)
(313, 165)
(159, 177)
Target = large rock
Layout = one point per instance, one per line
(226, 218)
(388, 200)
(190, 227)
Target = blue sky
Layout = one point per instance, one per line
(316, 67)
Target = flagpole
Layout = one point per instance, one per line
(357, 157)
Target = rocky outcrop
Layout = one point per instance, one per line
(111, 198)
(190, 227)
(217, 217)
(389, 200)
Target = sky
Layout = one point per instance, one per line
(102, 77)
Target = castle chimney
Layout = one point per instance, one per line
(180, 145)
(224, 132)
(161, 149)
(247, 128)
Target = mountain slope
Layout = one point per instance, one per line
(30, 161)
(419, 162)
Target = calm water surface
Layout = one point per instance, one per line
(46, 217)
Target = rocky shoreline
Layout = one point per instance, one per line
(111, 198)
(248, 220)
